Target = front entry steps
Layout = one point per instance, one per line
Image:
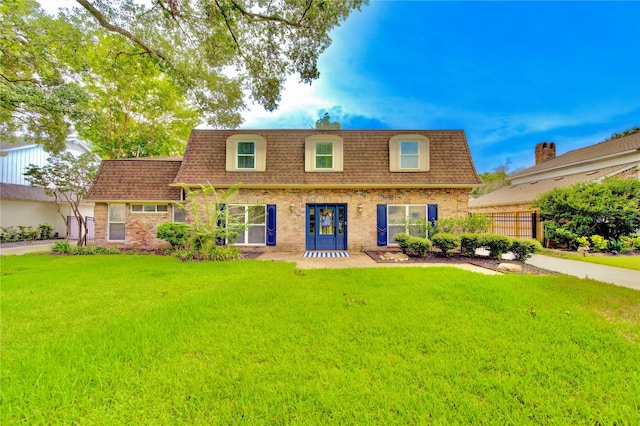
(326, 254)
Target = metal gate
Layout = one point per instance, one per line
(72, 226)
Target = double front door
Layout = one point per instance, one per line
(326, 227)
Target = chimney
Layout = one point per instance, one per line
(545, 151)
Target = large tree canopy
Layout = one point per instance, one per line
(205, 53)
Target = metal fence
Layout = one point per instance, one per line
(516, 224)
(72, 223)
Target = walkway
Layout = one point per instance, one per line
(606, 274)
(358, 260)
(28, 247)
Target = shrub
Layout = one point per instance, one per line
(523, 248)
(220, 253)
(473, 223)
(497, 244)
(445, 242)
(44, 231)
(62, 247)
(402, 240)
(583, 242)
(175, 234)
(630, 242)
(469, 243)
(599, 242)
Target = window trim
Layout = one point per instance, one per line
(407, 206)
(395, 153)
(337, 149)
(238, 155)
(174, 208)
(109, 221)
(260, 152)
(144, 205)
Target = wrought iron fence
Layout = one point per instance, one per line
(516, 224)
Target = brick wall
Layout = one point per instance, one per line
(290, 229)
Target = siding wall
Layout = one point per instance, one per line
(13, 164)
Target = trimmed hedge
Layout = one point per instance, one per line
(523, 248)
(469, 243)
(496, 244)
(446, 242)
(413, 246)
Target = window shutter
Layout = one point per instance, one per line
(433, 213)
(221, 217)
(382, 224)
(271, 224)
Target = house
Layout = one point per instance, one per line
(616, 157)
(23, 205)
(312, 189)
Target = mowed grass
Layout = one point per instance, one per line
(102, 340)
(619, 261)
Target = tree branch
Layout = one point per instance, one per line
(261, 17)
(114, 28)
(226, 21)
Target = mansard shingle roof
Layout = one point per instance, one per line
(366, 160)
(136, 179)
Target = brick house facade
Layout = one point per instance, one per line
(317, 190)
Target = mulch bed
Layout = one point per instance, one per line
(483, 262)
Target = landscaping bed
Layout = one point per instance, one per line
(457, 258)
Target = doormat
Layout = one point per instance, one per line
(326, 254)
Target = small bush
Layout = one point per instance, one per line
(630, 242)
(470, 224)
(469, 243)
(413, 246)
(599, 242)
(44, 231)
(445, 242)
(583, 242)
(175, 234)
(221, 253)
(62, 247)
(523, 248)
(402, 240)
(497, 244)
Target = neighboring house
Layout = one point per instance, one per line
(617, 157)
(311, 189)
(21, 204)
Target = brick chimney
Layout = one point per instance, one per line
(545, 151)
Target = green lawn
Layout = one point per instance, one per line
(100, 340)
(619, 261)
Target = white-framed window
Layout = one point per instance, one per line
(149, 208)
(255, 217)
(323, 153)
(116, 217)
(408, 219)
(179, 215)
(409, 153)
(246, 153)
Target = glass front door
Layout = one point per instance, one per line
(326, 227)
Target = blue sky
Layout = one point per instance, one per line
(511, 74)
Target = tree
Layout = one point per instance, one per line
(38, 98)
(68, 179)
(325, 123)
(134, 110)
(631, 131)
(206, 53)
(610, 209)
(493, 181)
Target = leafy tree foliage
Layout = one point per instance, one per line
(631, 131)
(492, 181)
(130, 75)
(67, 178)
(325, 123)
(38, 99)
(610, 209)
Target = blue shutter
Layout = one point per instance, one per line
(271, 224)
(382, 224)
(221, 217)
(432, 211)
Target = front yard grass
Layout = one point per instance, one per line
(127, 339)
(619, 261)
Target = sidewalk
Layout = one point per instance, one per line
(357, 260)
(23, 248)
(607, 274)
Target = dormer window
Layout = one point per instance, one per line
(246, 153)
(409, 153)
(323, 153)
